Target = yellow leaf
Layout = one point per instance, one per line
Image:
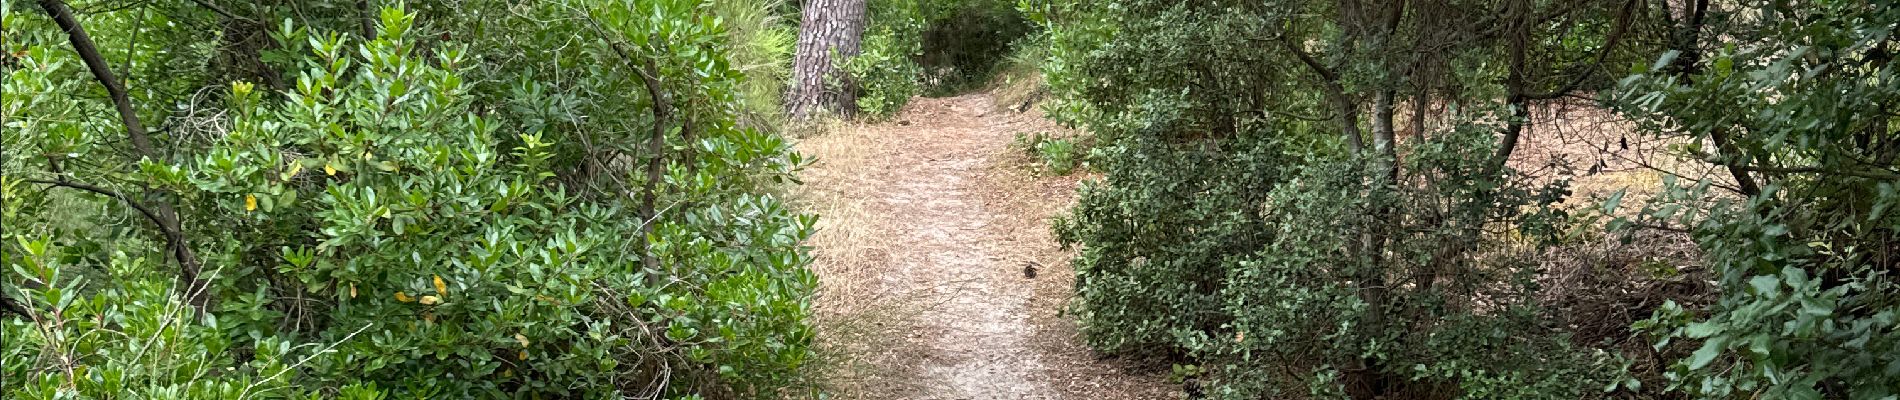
(441, 288)
(404, 297)
(522, 339)
(250, 203)
(523, 355)
(329, 169)
(295, 167)
(352, 290)
(430, 300)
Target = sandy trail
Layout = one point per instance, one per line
(933, 220)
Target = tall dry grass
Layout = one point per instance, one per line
(857, 316)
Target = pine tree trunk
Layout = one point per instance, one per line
(829, 35)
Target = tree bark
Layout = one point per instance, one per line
(1515, 84)
(830, 34)
(1348, 116)
(665, 113)
(1384, 141)
(1686, 40)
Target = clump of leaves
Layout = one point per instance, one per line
(410, 217)
(1799, 108)
(911, 47)
(1057, 155)
(885, 71)
(1273, 251)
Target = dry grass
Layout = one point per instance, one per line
(846, 246)
(1018, 91)
(1596, 286)
(1602, 154)
(854, 315)
(926, 223)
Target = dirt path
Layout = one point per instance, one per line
(930, 222)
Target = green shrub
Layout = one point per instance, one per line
(1237, 227)
(886, 70)
(1231, 233)
(916, 47)
(763, 40)
(1797, 112)
(1069, 31)
(1059, 156)
(410, 218)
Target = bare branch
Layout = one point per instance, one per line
(649, 73)
(160, 213)
(1348, 116)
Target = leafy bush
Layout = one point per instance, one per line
(1260, 215)
(886, 69)
(1798, 110)
(1060, 156)
(763, 39)
(912, 47)
(1275, 251)
(413, 217)
(1070, 30)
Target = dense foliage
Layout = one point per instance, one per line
(1798, 107)
(1314, 198)
(1297, 199)
(459, 199)
(1290, 259)
(914, 47)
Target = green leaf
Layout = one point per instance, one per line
(1795, 276)
(1616, 199)
(1764, 284)
(1667, 57)
(1775, 230)
(1702, 329)
(1803, 393)
(1707, 353)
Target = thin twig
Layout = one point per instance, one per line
(326, 349)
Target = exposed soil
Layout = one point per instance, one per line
(930, 223)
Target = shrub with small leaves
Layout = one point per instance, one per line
(411, 216)
(1797, 110)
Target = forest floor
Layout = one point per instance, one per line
(929, 221)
